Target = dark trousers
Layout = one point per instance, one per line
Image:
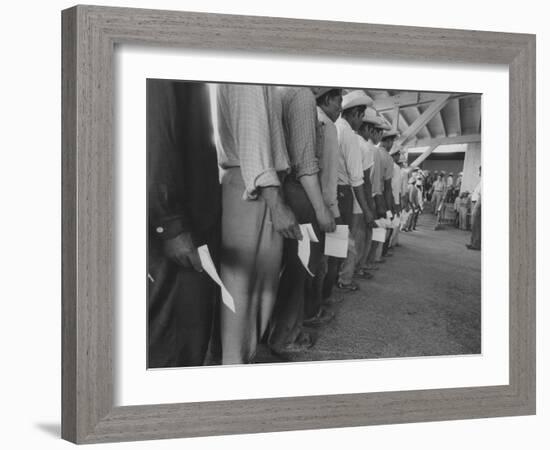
(345, 204)
(181, 306)
(333, 267)
(295, 285)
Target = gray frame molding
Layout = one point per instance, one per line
(89, 36)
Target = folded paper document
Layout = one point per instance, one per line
(336, 243)
(379, 234)
(304, 246)
(210, 269)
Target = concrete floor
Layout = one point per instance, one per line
(424, 300)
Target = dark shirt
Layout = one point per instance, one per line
(182, 172)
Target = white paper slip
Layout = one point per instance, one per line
(383, 223)
(379, 234)
(396, 221)
(210, 269)
(336, 243)
(304, 246)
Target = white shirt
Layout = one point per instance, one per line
(476, 195)
(367, 155)
(328, 140)
(350, 161)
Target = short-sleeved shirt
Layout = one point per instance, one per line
(350, 160)
(476, 195)
(327, 136)
(438, 186)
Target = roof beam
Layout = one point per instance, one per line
(423, 156)
(409, 99)
(457, 106)
(436, 106)
(465, 139)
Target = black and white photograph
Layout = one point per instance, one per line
(292, 224)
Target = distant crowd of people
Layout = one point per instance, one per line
(282, 157)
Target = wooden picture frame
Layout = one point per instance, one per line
(89, 37)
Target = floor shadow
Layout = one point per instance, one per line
(53, 429)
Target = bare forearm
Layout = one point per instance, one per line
(311, 185)
(359, 192)
(368, 190)
(388, 194)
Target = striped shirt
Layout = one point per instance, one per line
(328, 159)
(250, 134)
(300, 126)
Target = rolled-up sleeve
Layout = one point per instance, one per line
(300, 119)
(244, 107)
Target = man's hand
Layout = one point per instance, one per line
(183, 252)
(325, 218)
(282, 217)
(369, 219)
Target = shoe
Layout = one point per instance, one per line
(323, 317)
(333, 301)
(363, 274)
(370, 267)
(380, 261)
(349, 287)
(471, 247)
(303, 342)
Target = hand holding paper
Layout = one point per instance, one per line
(336, 243)
(210, 268)
(304, 246)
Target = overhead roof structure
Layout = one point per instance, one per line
(430, 119)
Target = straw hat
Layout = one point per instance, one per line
(320, 91)
(390, 133)
(372, 117)
(356, 98)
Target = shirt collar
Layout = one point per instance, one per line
(323, 115)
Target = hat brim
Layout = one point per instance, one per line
(389, 134)
(319, 92)
(374, 121)
(357, 102)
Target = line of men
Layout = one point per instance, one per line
(287, 156)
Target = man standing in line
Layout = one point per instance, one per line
(382, 190)
(350, 177)
(255, 218)
(368, 134)
(302, 191)
(397, 186)
(386, 145)
(475, 239)
(329, 107)
(184, 208)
